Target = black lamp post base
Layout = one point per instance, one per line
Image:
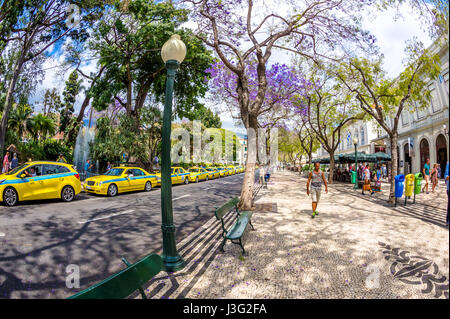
(173, 263)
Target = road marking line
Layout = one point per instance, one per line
(95, 219)
(181, 197)
(2, 234)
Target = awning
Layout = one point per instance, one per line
(382, 156)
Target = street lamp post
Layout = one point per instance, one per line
(173, 53)
(355, 142)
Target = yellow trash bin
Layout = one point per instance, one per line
(409, 185)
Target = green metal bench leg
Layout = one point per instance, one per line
(240, 244)
(222, 244)
(140, 288)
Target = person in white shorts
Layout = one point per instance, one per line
(316, 177)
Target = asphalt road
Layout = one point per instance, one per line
(39, 240)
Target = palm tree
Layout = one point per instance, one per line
(18, 118)
(41, 126)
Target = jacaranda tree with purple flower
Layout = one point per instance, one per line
(243, 34)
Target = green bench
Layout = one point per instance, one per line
(126, 281)
(236, 231)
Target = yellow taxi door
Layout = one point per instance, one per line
(30, 187)
(50, 181)
(176, 178)
(182, 174)
(138, 180)
(127, 183)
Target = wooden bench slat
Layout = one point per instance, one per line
(125, 282)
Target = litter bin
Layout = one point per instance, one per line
(399, 184)
(353, 177)
(418, 183)
(409, 187)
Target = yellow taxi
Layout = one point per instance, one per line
(178, 176)
(240, 169)
(231, 169)
(39, 180)
(197, 174)
(223, 171)
(120, 180)
(213, 172)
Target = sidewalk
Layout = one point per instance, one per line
(358, 247)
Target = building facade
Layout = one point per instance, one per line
(423, 133)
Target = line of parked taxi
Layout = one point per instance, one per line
(54, 180)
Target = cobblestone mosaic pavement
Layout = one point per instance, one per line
(358, 247)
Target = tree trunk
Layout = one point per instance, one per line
(246, 201)
(330, 174)
(8, 104)
(394, 168)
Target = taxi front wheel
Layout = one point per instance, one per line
(148, 186)
(10, 196)
(67, 194)
(112, 190)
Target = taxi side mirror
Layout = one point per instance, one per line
(23, 175)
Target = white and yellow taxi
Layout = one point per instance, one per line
(197, 174)
(39, 180)
(120, 180)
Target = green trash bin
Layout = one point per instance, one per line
(353, 177)
(418, 183)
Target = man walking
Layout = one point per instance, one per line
(14, 161)
(316, 177)
(426, 174)
(87, 168)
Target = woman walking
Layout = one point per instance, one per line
(366, 186)
(434, 177)
(5, 167)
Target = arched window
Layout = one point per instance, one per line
(363, 136)
(349, 140)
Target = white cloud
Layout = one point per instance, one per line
(392, 34)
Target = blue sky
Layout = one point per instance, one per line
(391, 37)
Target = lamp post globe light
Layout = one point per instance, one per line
(355, 142)
(173, 53)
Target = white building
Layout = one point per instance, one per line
(241, 154)
(424, 133)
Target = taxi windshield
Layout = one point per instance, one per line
(114, 172)
(17, 169)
